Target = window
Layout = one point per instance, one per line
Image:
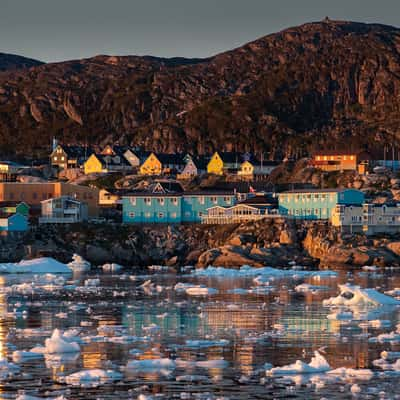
(201, 200)
(214, 200)
(174, 201)
(34, 195)
(161, 201)
(147, 215)
(62, 158)
(173, 215)
(55, 158)
(147, 201)
(160, 215)
(227, 200)
(131, 215)
(316, 196)
(133, 201)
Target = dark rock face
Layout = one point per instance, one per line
(11, 62)
(315, 85)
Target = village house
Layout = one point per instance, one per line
(12, 223)
(12, 207)
(63, 210)
(65, 157)
(223, 162)
(162, 163)
(368, 218)
(165, 202)
(99, 163)
(33, 193)
(254, 208)
(334, 160)
(316, 203)
(133, 156)
(195, 166)
(250, 168)
(9, 171)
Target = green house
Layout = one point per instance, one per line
(15, 208)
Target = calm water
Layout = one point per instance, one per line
(163, 320)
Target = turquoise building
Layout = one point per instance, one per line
(316, 203)
(166, 203)
(13, 223)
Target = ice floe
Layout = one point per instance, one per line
(247, 271)
(92, 377)
(111, 267)
(79, 264)
(318, 364)
(355, 296)
(43, 265)
(61, 343)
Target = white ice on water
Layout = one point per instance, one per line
(43, 265)
(355, 296)
(79, 264)
(92, 377)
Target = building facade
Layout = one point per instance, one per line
(13, 223)
(63, 210)
(171, 207)
(316, 203)
(335, 160)
(35, 192)
(367, 218)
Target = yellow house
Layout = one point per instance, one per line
(215, 165)
(151, 166)
(93, 165)
(246, 169)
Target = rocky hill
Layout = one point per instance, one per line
(319, 84)
(11, 62)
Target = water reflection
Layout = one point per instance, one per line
(278, 327)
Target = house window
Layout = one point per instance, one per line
(214, 200)
(227, 200)
(160, 215)
(133, 201)
(55, 158)
(187, 214)
(147, 215)
(131, 215)
(62, 158)
(200, 214)
(173, 215)
(201, 200)
(34, 195)
(147, 201)
(160, 201)
(174, 201)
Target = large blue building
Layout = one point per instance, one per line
(316, 203)
(165, 202)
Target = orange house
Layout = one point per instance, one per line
(335, 160)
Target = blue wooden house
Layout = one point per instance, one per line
(13, 222)
(316, 203)
(165, 202)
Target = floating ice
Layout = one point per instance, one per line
(247, 271)
(201, 291)
(217, 363)
(318, 364)
(28, 397)
(41, 265)
(79, 264)
(22, 356)
(306, 287)
(92, 377)
(59, 343)
(206, 343)
(355, 296)
(7, 369)
(111, 267)
(345, 373)
(158, 364)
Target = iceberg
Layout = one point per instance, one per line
(59, 343)
(355, 296)
(79, 264)
(317, 365)
(43, 265)
(92, 377)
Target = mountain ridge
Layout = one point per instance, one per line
(321, 84)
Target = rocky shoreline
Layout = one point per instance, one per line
(273, 242)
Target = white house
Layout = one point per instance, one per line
(368, 218)
(63, 210)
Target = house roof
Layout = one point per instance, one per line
(110, 159)
(175, 159)
(336, 190)
(260, 200)
(231, 157)
(243, 187)
(209, 193)
(6, 215)
(77, 151)
(335, 153)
